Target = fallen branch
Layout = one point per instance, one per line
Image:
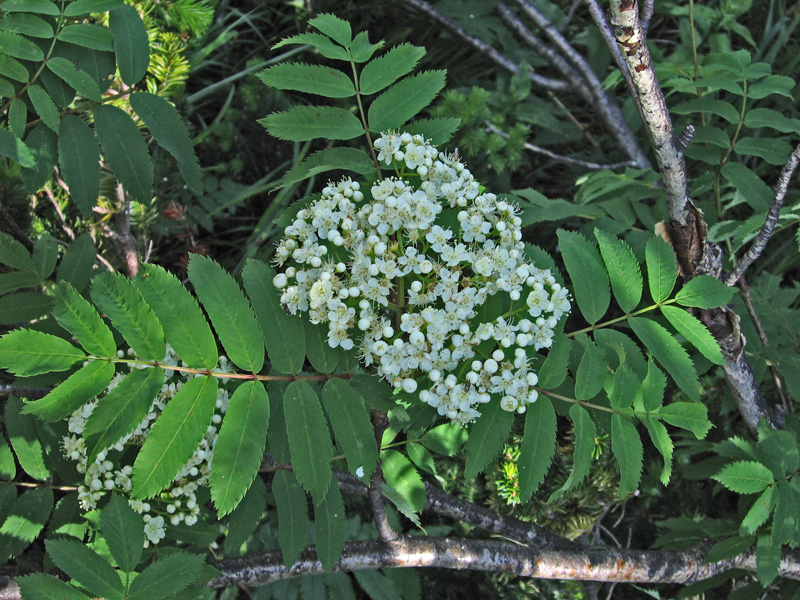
(591, 564)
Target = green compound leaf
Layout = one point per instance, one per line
(76, 266)
(627, 448)
(585, 433)
(787, 514)
(8, 470)
(385, 70)
(240, 445)
(322, 43)
(402, 476)
(351, 424)
(24, 522)
(437, 131)
(309, 439)
(728, 548)
(121, 410)
(23, 307)
(45, 255)
(538, 446)
(131, 45)
(663, 443)
(123, 304)
(125, 150)
(662, 268)
(750, 186)
(185, 326)
(759, 512)
(775, 152)
(78, 79)
(447, 439)
(88, 36)
(330, 159)
(292, 515)
(20, 47)
(168, 575)
(70, 395)
(174, 437)
(11, 282)
(42, 7)
(361, 49)
(302, 123)
(705, 291)
(723, 109)
(768, 117)
(692, 416)
(284, 335)
(653, 386)
(13, 69)
(14, 148)
(80, 170)
(312, 79)
(623, 270)
(554, 368)
(230, 313)
(26, 442)
(403, 101)
(745, 477)
(321, 356)
(122, 529)
(335, 28)
(84, 7)
(85, 566)
(245, 517)
(377, 585)
(669, 354)
(486, 438)
(14, 254)
(27, 25)
(622, 391)
(47, 587)
(329, 525)
(166, 125)
(768, 560)
(17, 116)
(694, 331)
(75, 314)
(592, 370)
(26, 353)
(587, 273)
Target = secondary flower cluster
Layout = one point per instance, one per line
(177, 503)
(406, 270)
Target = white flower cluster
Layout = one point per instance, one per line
(403, 270)
(176, 504)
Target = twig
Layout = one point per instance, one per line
(575, 81)
(744, 292)
(32, 393)
(570, 14)
(647, 14)
(597, 96)
(126, 242)
(67, 229)
(484, 48)
(591, 564)
(380, 422)
(559, 157)
(768, 227)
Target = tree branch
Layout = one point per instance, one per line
(768, 227)
(484, 48)
(686, 229)
(597, 96)
(561, 158)
(591, 564)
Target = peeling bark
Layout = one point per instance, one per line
(593, 564)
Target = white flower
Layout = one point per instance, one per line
(154, 529)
